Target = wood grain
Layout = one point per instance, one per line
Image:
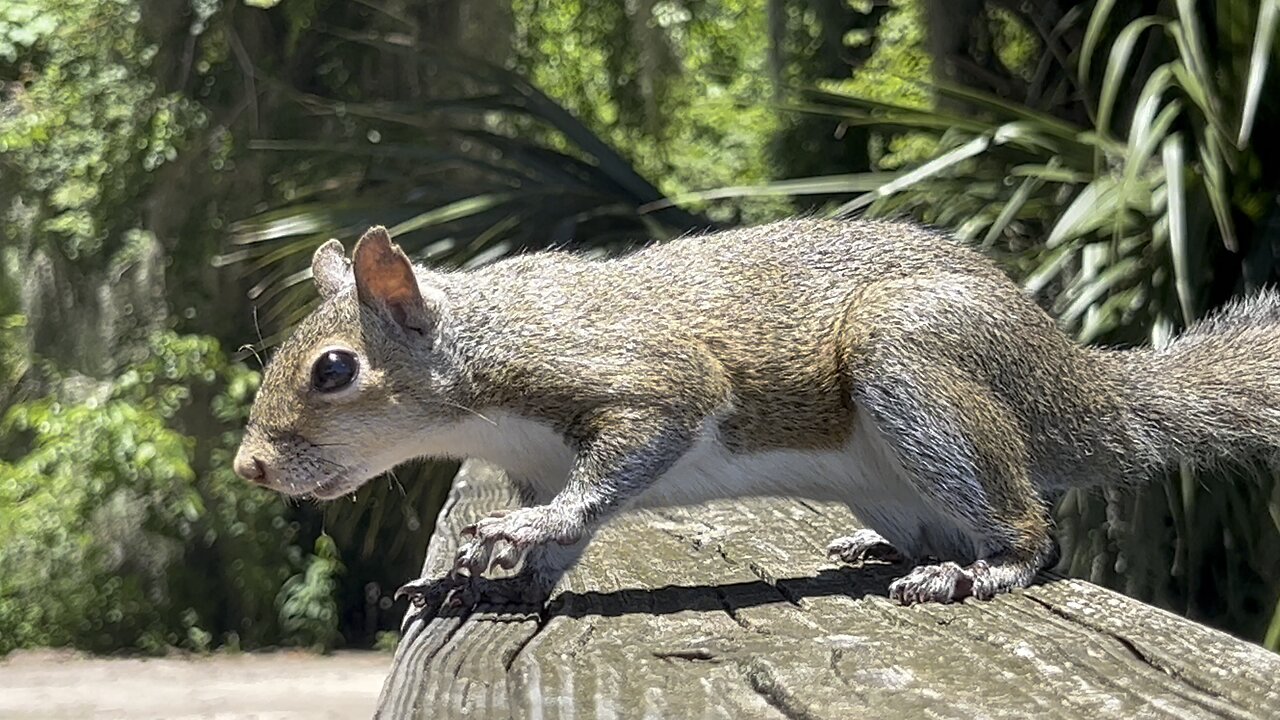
(732, 611)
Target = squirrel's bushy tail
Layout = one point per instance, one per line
(1212, 395)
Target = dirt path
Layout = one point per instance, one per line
(265, 686)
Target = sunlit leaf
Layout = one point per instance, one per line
(1216, 180)
(1010, 209)
(1092, 291)
(1174, 167)
(1268, 17)
(1118, 68)
(927, 170)
(453, 211)
(1092, 36)
(829, 185)
(1091, 209)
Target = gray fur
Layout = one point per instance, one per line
(667, 375)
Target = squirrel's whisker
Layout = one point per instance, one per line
(464, 408)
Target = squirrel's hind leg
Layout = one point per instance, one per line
(965, 457)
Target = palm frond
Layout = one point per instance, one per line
(458, 179)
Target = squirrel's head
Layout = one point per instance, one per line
(361, 376)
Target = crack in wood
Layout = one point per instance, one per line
(733, 614)
(1211, 700)
(691, 654)
(762, 681)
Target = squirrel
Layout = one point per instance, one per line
(880, 364)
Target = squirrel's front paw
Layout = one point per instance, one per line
(503, 539)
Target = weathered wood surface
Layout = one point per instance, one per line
(732, 611)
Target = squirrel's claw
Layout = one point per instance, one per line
(503, 538)
(500, 540)
(473, 528)
(427, 595)
(507, 558)
(520, 591)
(415, 590)
(942, 583)
(472, 560)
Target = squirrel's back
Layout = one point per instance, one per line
(771, 310)
(781, 318)
(760, 272)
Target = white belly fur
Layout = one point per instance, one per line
(864, 474)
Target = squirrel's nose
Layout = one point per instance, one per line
(250, 468)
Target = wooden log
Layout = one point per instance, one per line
(731, 610)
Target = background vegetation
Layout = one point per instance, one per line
(166, 169)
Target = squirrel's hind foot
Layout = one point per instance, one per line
(942, 583)
(861, 546)
(948, 582)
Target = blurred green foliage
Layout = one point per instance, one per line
(898, 72)
(683, 93)
(166, 168)
(86, 122)
(121, 527)
(121, 523)
(308, 601)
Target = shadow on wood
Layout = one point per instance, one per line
(731, 610)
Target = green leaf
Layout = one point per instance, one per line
(1050, 267)
(1272, 639)
(1092, 36)
(1217, 173)
(1092, 208)
(857, 110)
(930, 169)
(824, 185)
(453, 211)
(1174, 166)
(1093, 290)
(296, 220)
(1010, 210)
(1118, 67)
(1051, 172)
(1187, 29)
(1148, 108)
(1268, 16)
(1043, 123)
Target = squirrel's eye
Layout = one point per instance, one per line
(334, 370)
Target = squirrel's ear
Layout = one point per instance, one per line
(384, 278)
(330, 269)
